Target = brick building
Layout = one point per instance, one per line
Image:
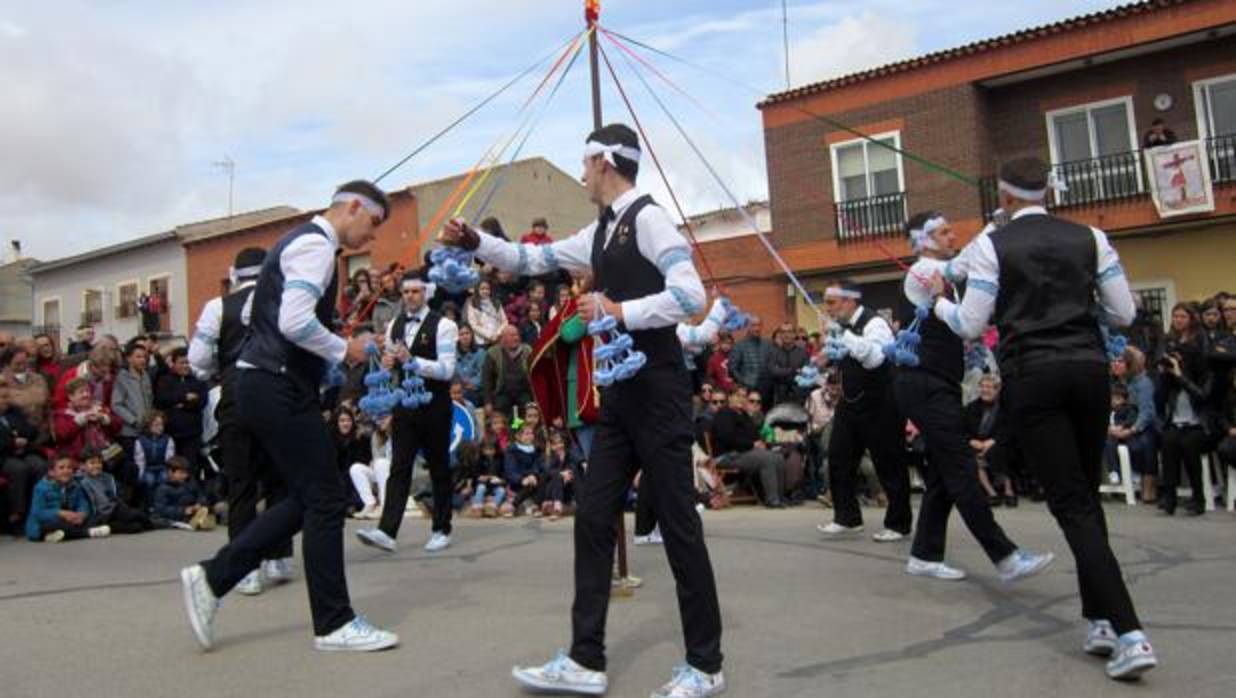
(1079, 94)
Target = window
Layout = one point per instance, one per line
(1094, 151)
(51, 313)
(92, 306)
(868, 186)
(159, 320)
(126, 300)
(1157, 297)
(1216, 116)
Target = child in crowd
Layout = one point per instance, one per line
(367, 476)
(59, 508)
(499, 433)
(151, 453)
(1120, 429)
(106, 508)
(85, 423)
(533, 418)
(179, 502)
(525, 471)
(489, 483)
(560, 467)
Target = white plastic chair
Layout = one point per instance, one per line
(1208, 486)
(1125, 486)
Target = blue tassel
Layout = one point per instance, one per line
(735, 319)
(616, 358)
(452, 268)
(903, 351)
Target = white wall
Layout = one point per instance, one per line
(161, 259)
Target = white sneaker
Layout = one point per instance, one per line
(372, 512)
(375, 538)
(358, 635)
(181, 526)
(837, 530)
(438, 542)
(887, 535)
(1022, 564)
(653, 538)
(1101, 640)
(1113, 478)
(200, 604)
(562, 675)
(689, 682)
(277, 571)
(100, 531)
(700, 508)
(1134, 657)
(936, 570)
(54, 537)
(251, 585)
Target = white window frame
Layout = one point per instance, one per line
(1201, 107)
(832, 153)
(136, 283)
(1134, 141)
(102, 291)
(59, 308)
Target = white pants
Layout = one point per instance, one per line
(364, 477)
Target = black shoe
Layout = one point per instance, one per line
(995, 501)
(1194, 509)
(1010, 501)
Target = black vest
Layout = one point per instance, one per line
(623, 274)
(860, 387)
(1046, 308)
(941, 352)
(265, 346)
(232, 332)
(424, 346)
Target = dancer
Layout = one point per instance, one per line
(866, 420)
(423, 335)
(281, 365)
(643, 276)
(929, 395)
(216, 345)
(1049, 283)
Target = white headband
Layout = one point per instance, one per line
(246, 272)
(413, 282)
(373, 207)
(920, 238)
(1054, 183)
(593, 148)
(838, 292)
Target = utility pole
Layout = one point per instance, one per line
(785, 40)
(228, 165)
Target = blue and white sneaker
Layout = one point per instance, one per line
(200, 604)
(376, 538)
(277, 571)
(251, 585)
(438, 542)
(358, 635)
(1134, 657)
(689, 682)
(1101, 639)
(1022, 564)
(562, 675)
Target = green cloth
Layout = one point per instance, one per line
(572, 331)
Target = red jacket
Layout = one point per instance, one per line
(52, 369)
(102, 388)
(551, 359)
(719, 371)
(72, 437)
(533, 238)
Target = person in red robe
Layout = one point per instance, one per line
(560, 371)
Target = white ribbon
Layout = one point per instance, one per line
(593, 148)
(373, 207)
(246, 272)
(1054, 183)
(838, 292)
(920, 238)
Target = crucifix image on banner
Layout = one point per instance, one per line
(1180, 179)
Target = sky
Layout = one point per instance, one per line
(115, 113)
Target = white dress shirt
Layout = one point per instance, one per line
(980, 267)
(204, 349)
(308, 266)
(441, 369)
(659, 242)
(868, 348)
(695, 337)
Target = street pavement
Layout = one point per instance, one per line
(803, 616)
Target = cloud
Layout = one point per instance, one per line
(854, 43)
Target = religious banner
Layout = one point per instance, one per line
(1180, 179)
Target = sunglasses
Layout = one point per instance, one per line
(718, 402)
(754, 400)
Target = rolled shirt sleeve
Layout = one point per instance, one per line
(695, 337)
(969, 318)
(574, 254)
(442, 368)
(660, 243)
(203, 349)
(307, 266)
(868, 348)
(1114, 295)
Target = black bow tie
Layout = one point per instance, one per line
(606, 217)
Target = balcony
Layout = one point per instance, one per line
(1118, 177)
(874, 217)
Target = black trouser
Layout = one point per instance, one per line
(250, 475)
(427, 430)
(1182, 448)
(126, 519)
(283, 415)
(645, 515)
(645, 424)
(951, 473)
(874, 426)
(1227, 451)
(22, 472)
(1060, 413)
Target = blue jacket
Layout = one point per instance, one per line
(51, 498)
(520, 465)
(172, 498)
(101, 496)
(468, 368)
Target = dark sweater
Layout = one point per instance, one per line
(184, 416)
(733, 432)
(520, 464)
(172, 498)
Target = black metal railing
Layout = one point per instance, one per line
(875, 216)
(1221, 151)
(1108, 178)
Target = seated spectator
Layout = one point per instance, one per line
(1227, 424)
(106, 507)
(821, 404)
(983, 422)
(1119, 429)
(754, 407)
(785, 358)
(133, 395)
(504, 375)
(21, 463)
(489, 482)
(179, 502)
(532, 417)
(151, 453)
(98, 370)
(539, 234)
(59, 508)
(499, 431)
(560, 468)
(530, 328)
(469, 359)
(717, 400)
(1142, 435)
(85, 423)
(368, 476)
(484, 315)
(351, 447)
(28, 389)
(525, 472)
(47, 358)
(182, 397)
(737, 444)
